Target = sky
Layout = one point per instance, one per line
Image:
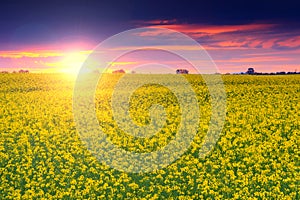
(57, 36)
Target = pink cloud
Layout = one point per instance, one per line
(196, 29)
(256, 59)
(290, 42)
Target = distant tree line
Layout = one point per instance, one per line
(251, 71)
(14, 72)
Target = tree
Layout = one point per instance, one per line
(250, 71)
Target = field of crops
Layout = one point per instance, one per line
(256, 157)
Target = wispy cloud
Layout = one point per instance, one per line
(28, 54)
(255, 35)
(117, 64)
(36, 54)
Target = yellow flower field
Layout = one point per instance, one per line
(256, 157)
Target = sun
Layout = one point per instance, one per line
(72, 61)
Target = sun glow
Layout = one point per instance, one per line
(72, 61)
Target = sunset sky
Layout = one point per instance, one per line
(57, 36)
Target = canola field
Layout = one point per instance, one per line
(256, 156)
